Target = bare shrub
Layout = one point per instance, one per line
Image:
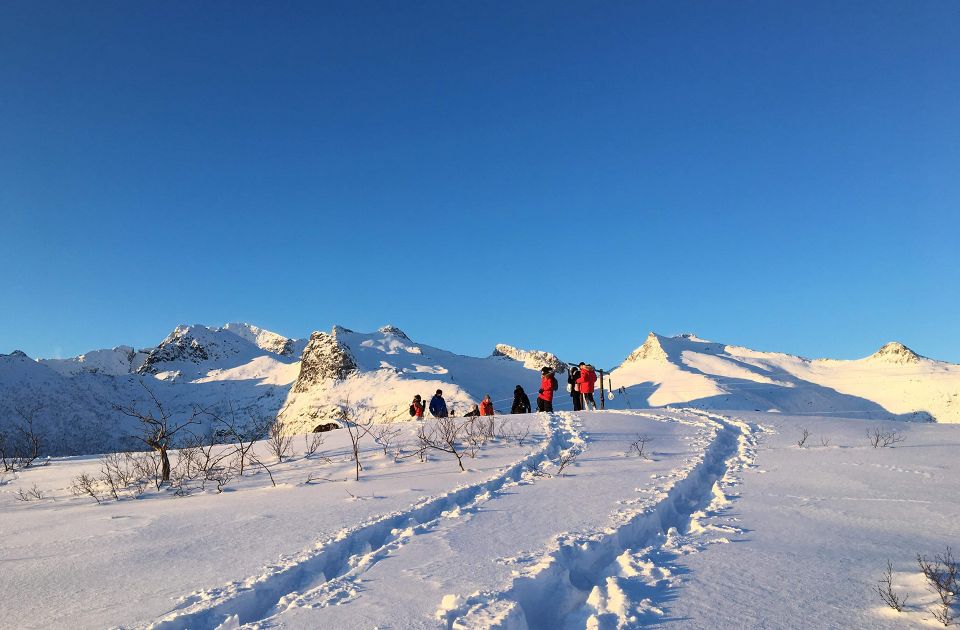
(886, 592)
(279, 442)
(312, 443)
(356, 430)
(639, 446)
(880, 437)
(804, 436)
(566, 458)
(33, 494)
(942, 574)
(85, 484)
(159, 428)
(824, 441)
(242, 428)
(385, 436)
(444, 435)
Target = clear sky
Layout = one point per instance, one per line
(557, 175)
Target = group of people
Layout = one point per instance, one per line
(581, 382)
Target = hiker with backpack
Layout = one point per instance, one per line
(521, 403)
(486, 406)
(588, 376)
(438, 406)
(416, 407)
(573, 374)
(548, 385)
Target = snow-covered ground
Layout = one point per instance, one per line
(728, 523)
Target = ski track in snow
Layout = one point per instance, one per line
(326, 574)
(614, 578)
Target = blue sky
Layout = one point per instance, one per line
(565, 176)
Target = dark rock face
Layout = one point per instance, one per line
(179, 346)
(324, 358)
(323, 428)
(393, 330)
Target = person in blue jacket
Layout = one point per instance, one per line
(438, 407)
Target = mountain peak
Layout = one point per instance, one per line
(895, 353)
(263, 339)
(533, 359)
(651, 350)
(390, 329)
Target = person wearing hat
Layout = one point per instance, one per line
(588, 376)
(521, 403)
(486, 406)
(438, 406)
(548, 384)
(416, 408)
(574, 388)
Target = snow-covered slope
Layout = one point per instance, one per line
(377, 375)
(895, 381)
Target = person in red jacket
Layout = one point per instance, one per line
(548, 384)
(416, 407)
(588, 376)
(486, 406)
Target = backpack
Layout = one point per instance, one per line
(413, 410)
(553, 383)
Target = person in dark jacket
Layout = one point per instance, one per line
(438, 406)
(573, 375)
(521, 403)
(548, 384)
(473, 412)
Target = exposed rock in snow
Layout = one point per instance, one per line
(263, 339)
(393, 330)
(16, 354)
(895, 353)
(531, 359)
(324, 358)
(115, 361)
(651, 350)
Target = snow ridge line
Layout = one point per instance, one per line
(556, 591)
(259, 597)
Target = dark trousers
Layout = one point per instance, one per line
(577, 401)
(544, 405)
(589, 398)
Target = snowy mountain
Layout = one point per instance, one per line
(893, 382)
(378, 374)
(306, 382)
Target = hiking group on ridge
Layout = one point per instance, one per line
(581, 382)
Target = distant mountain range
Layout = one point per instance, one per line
(304, 382)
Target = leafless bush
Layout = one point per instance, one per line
(804, 436)
(639, 446)
(824, 441)
(279, 442)
(242, 428)
(158, 428)
(881, 437)
(509, 431)
(356, 430)
(312, 443)
(85, 484)
(23, 448)
(385, 436)
(33, 494)
(942, 574)
(886, 592)
(566, 458)
(444, 435)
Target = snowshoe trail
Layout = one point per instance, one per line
(325, 573)
(613, 578)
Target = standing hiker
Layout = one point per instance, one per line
(548, 384)
(588, 376)
(574, 388)
(521, 403)
(486, 406)
(438, 406)
(416, 407)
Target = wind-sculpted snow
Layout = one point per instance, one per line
(324, 573)
(588, 579)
